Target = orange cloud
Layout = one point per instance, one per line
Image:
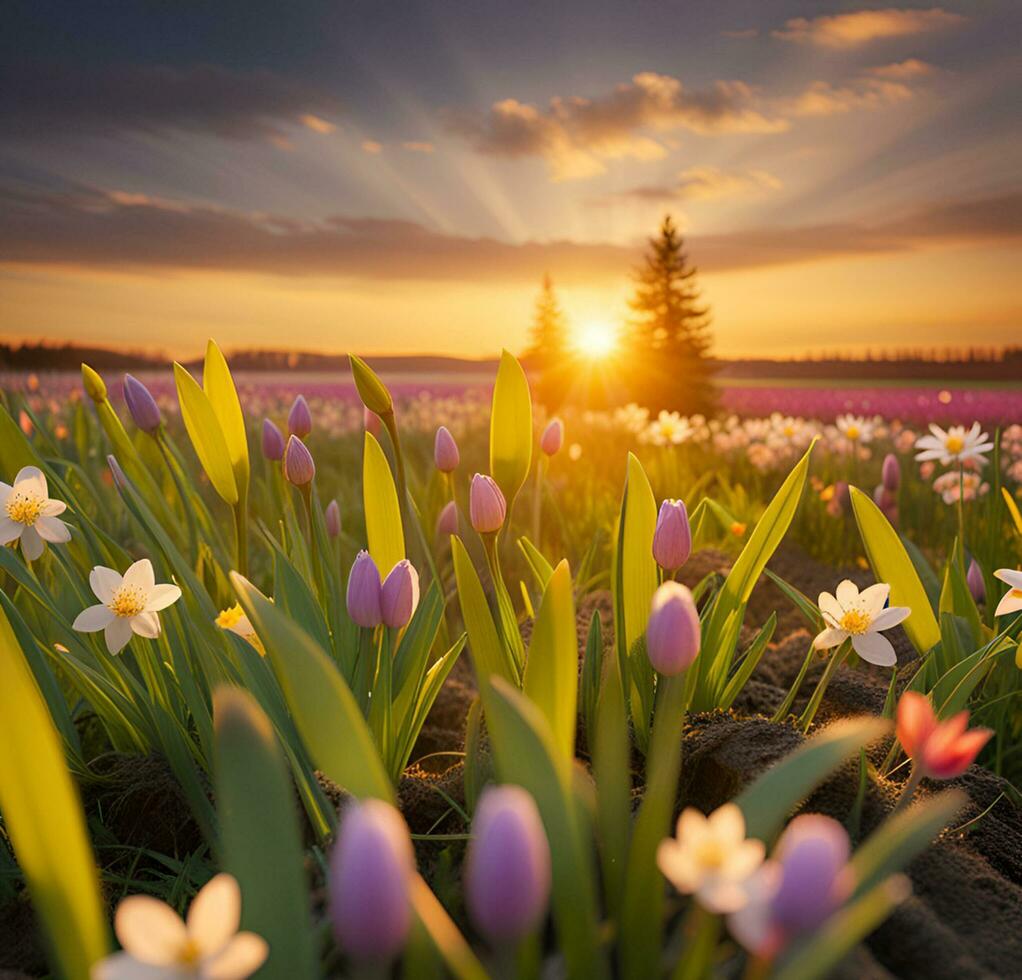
(863, 26)
(418, 146)
(824, 99)
(372, 147)
(316, 124)
(901, 70)
(702, 184)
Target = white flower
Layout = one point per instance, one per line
(235, 621)
(669, 429)
(28, 514)
(158, 944)
(856, 428)
(955, 445)
(711, 858)
(1011, 601)
(861, 616)
(126, 605)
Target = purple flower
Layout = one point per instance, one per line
(974, 578)
(447, 522)
(273, 441)
(672, 539)
(486, 505)
(673, 633)
(507, 871)
(333, 519)
(445, 451)
(399, 595)
(891, 473)
(145, 413)
(364, 592)
(299, 419)
(299, 466)
(371, 873)
(552, 438)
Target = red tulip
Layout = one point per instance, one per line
(940, 749)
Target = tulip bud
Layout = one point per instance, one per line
(974, 579)
(119, 477)
(553, 437)
(371, 389)
(507, 871)
(940, 749)
(333, 519)
(399, 595)
(364, 592)
(93, 384)
(372, 422)
(299, 419)
(673, 633)
(486, 505)
(371, 873)
(813, 852)
(672, 539)
(145, 413)
(891, 473)
(447, 522)
(445, 451)
(273, 441)
(299, 466)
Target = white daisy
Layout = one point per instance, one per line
(29, 515)
(1011, 601)
(856, 428)
(954, 445)
(127, 604)
(861, 616)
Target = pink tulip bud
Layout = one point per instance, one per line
(299, 466)
(399, 595)
(552, 438)
(507, 872)
(447, 522)
(332, 519)
(145, 413)
(299, 419)
(372, 422)
(673, 633)
(974, 579)
(891, 473)
(941, 749)
(672, 539)
(273, 441)
(445, 451)
(371, 873)
(486, 505)
(363, 597)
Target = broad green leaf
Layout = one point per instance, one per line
(551, 672)
(260, 837)
(810, 611)
(444, 935)
(382, 510)
(44, 820)
(752, 657)
(15, 449)
(891, 564)
(223, 398)
(592, 674)
(371, 389)
(510, 427)
(324, 709)
(541, 569)
(768, 801)
(206, 434)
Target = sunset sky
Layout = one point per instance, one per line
(395, 177)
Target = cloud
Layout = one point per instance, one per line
(745, 33)
(372, 147)
(701, 184)
(418, 146)
(575, 136)
(901, 70)
(45, 100)
(825, 99)
(862, 26)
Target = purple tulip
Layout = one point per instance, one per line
(486, 505)
(273, 441)
(145, 413)
(299, 466)
(399, 595)
(672, 539)
(447, 522)
(891, 473)
(445, 451)
(372, 422)
(552, 438)
(673, 633)
(299, 419)
(507, 871)
(974, 579)
(333, 519)
(364, 592)
(371, 872)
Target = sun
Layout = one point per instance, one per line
(596, 340)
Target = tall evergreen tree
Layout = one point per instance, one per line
(670, 329)
(548, 347)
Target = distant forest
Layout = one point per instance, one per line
(970, 364)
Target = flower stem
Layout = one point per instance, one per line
(241, 532)
(813, 706)
(909, 789)
(508, 618)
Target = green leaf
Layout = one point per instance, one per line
(371, 389)
(382, 510)
(810, 611)
(510, 427)
(551, 672)
(752, 657)
(541, 569)
(260, 837)
(443, 934)
(223, 399)
(592, 674)
(207, 437)
(891, 564)
(43, 817)
(956, 596)
(324, 709)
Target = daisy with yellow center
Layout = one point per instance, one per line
(235, 621)
(861, 617)
(28, 515)
(855, 428)
(954, 445)
(127, 604)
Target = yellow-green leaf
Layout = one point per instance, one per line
(382, 511)
(1009, 502)
(43, 816)
(510, 427)
(371, 389)
(223, 397)
(206, 435)
(891, 564)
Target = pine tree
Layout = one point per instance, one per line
(671, 329)
(548, 347)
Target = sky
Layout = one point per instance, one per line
(398, 177)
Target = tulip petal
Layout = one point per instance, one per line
(915, 721)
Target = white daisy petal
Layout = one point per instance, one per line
(847, 593)
(1010, 576)
(53, 507)
(52, 529)
(215, 914)
(162, 596)
(124, 966)
(873, 598)
(93, 619)
(9, 530)
(146, 624)
(150, 930)
(140, 576)
(890, 617)
(31, 544)
(240, 958)
(31, 480)
(104, 582)
(875, 648)
(117, 634)
(1010, 603)
(829, 638)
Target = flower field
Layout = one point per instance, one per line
(315, 677)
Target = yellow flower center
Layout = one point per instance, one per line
(789, 430)
(954, 444)
(229, 617)
(855, 621)
(127, 602)
(24, 508)
(1016, 593)
(711, 854)
(852, 432)
(189, 954)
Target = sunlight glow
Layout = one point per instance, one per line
(596, 340)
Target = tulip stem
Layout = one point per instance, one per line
(961, 513)
(909, 789)
(785, 707)
(813, 706)
(508, 619)
(241, 532)
(537, 500)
